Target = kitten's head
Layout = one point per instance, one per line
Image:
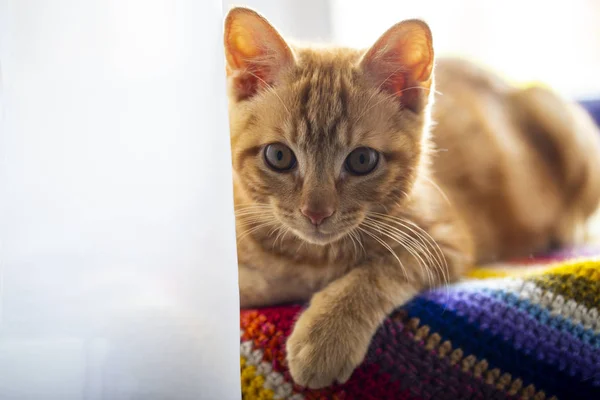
(320, 137)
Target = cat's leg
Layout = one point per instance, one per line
(332, 336)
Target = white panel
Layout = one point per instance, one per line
(300, 20)
(117, 245)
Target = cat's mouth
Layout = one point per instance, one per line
(320, 236)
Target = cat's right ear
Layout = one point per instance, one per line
(256, 53)
(401, 63)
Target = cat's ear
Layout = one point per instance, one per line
(401, 63)
(256, 53)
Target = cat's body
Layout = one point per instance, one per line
(502, 172)
(521, 165)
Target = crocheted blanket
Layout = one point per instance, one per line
(528, 329)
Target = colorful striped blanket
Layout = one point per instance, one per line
(528, 329)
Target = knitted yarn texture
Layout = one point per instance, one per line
(528, 329)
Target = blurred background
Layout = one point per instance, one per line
(109, 200)
(553, 42)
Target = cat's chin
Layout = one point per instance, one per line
(319, 237)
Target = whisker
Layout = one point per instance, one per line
(407, 246)
(249, 214)
(273, 230)
(281, 232)
(349, 236)
(439, 189)
(435, 259)
(390, 96)
(387, 97)
(250, 231)
(356, 234)
(270, 88)
(249, 223)
(250, 220)
(251, 207)
(302, 243)
(441, 262)
(417, 244)
(377, 91)
(388, 248)
(287, 230)
(421, 233)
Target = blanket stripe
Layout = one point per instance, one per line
(520, 330)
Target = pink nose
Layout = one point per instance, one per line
(316, 217)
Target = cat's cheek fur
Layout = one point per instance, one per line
(332, 337)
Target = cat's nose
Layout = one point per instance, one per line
(317, 216)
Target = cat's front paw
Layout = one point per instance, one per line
(325, 348)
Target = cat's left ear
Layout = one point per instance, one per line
(401, 63)
(256, 53)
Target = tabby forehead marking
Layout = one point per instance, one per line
(322, 115)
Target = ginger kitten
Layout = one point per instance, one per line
(348, 196)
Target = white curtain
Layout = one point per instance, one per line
(118, 275)
(304, 20)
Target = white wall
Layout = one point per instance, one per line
(305, 20)
(556, 41)
(118, 275)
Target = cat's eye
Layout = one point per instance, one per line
(279, 157)
(362, 161)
